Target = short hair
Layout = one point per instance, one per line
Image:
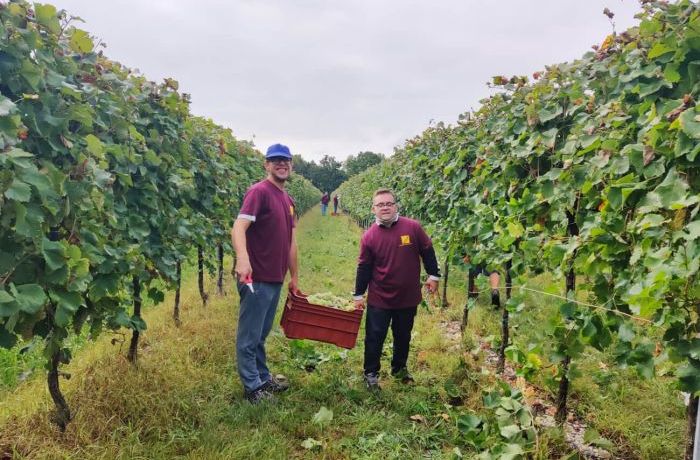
(382, 191)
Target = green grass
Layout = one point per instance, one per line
(18, 363)
(184, 399)
(26, 359)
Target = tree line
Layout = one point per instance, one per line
(329, 173)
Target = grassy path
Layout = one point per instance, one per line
(185, 400)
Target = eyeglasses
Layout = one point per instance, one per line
(388, 204)
(279, 160)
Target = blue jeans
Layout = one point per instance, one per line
(255, 317)
(323, 209)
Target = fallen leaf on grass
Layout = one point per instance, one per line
(529, 393)
(538, 406)
(591, 436)
(417, 418)
(311, 443)
(323, 416)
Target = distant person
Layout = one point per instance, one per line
(390, 254)
(325, 199)
(335, 204)
(494, 281)
(264, 238)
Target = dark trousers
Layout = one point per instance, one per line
(376, 328)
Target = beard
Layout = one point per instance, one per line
(280, 179)
(276, 176)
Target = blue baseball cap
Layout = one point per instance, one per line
(278, 150)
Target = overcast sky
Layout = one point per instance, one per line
(340, 77)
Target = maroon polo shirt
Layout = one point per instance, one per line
(269, 237)
(394, 253)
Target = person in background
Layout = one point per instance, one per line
(389, 264)
(335, 204)
(494, 281)
(264, 238)
(324, 203)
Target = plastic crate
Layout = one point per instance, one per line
(304, 320)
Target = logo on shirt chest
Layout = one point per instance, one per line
(405, 240)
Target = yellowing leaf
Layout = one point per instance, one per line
(607, 43)
(516, 229)
(80, 41)
(94, 146)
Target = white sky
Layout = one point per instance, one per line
(342, 76)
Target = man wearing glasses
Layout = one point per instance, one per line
(389, 264)
(264, 239)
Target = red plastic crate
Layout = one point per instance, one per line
(304, 320)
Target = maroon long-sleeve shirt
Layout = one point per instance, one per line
(394, 254)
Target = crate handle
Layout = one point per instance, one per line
(302, 296)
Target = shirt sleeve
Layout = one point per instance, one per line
(424, 241)
(364, 268)
(362, 279)
(427, 253)
(252, 205)
(366, 256)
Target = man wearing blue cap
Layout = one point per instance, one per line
(264, 239)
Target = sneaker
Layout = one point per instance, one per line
(495, 298)
(404, 376)
(277, 384)
(259, 395)
(372, 381)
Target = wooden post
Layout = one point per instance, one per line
(505, 328)
(692, 428)
(220, 279)
(445, 304)
(133, 346)
(560, 416)
(200, 275)
(470, 286)
(176, 309)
